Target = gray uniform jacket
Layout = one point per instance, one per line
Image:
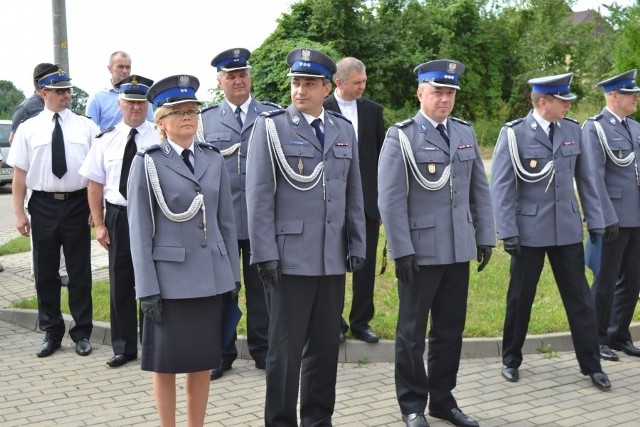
(617, 185)
(223, 130)
(305, 230)
(539, 216)
(437, 226)
(178, 261)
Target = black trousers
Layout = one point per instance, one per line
(55, 224)
(123, 303)
(567, 264)
(256, 314)
(362, 308)
(615, 300)
(303, 350)
(440, 291)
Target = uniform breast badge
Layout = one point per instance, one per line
(431, 168)
(300, 165)
(533, 163)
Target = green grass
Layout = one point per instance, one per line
(15, 245)
(485, 311)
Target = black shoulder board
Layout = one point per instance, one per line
(572, 120)
(209, 108)
(272, 113)
(208, 146)
(149, 149)
(403, 123)
(335, 113)
(455, 119)
(105, 131)
(514, 122)
(272, 104)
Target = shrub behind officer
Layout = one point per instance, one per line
(612, 141)
(46, 154)
(306, 221)
(532, 186)
(436, 210)
(184, 249)
(107, 167)
(228, 126)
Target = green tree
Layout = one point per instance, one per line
(79, 100)
(10, 96)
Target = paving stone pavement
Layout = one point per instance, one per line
(66, 389)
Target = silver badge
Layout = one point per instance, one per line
(223, 112)
(423, 128)
(612, 120)
(183, 81)
(451, 68)
(167, 149)
(306, 54)
(330, 121)
(236, 53)
(534, 125)
(295, 120)
(300, 165)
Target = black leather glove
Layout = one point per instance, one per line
(151, 306)
(236, 291)
(512, 246)
(484, 255)
(269, 273)
(611, 232)
(405, 266)
(356, 263)
(595, 232)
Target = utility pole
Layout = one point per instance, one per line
(60, 45)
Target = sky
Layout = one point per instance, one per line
(163, 37)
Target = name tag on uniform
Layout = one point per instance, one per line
(299, 142)
(429, 148)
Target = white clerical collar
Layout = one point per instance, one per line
(343, 102)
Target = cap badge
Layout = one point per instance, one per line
(60, 71)
(533, 163)
(451, 68)
(432, 168)
(183, 81)
(134, 80)
(236, 53)
(295, 120)
(306, 54)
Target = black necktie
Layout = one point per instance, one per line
(238, 116)
(185, 159)
(443, 134)
(58, 161)
(551, 128)
(129, 153)
(316, 125)
(626, 126)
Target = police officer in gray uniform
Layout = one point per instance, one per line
(532, 187)
(306, 223)
(228, 126)
(436, 210)
(612, 141)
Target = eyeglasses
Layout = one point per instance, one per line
(60, 91)
(180, 114)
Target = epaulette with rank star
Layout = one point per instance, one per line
(105, 131)
(572, 120)
(209, 108)
(514, 122)
(403, 123)
(208, 146)
(150, 149)
(272, 113)
(596, 117)
(455, 119)
(272, 104)
(335, 113)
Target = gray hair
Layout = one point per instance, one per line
(346, 65)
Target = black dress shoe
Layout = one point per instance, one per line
(607, 354)
(83, 347)
(415, 420)
(600, 380)
(48, 347)
(627, 347)
(455, 416)
(216, 373)
(366, 335)
(341, 337)
(120, 359)
(261, 364)
(510, 374)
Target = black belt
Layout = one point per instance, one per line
(61, 196)
(119, 207)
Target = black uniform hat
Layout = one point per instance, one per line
(134, 88)
(305, 62)
(174, 90)
(624, 83)
(558, 86)
(440, 73)
(232, 59)
(54, 77)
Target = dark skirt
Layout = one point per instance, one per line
(187, 340)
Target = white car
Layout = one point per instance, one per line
(6, 171)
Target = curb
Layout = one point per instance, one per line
(352, 351)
